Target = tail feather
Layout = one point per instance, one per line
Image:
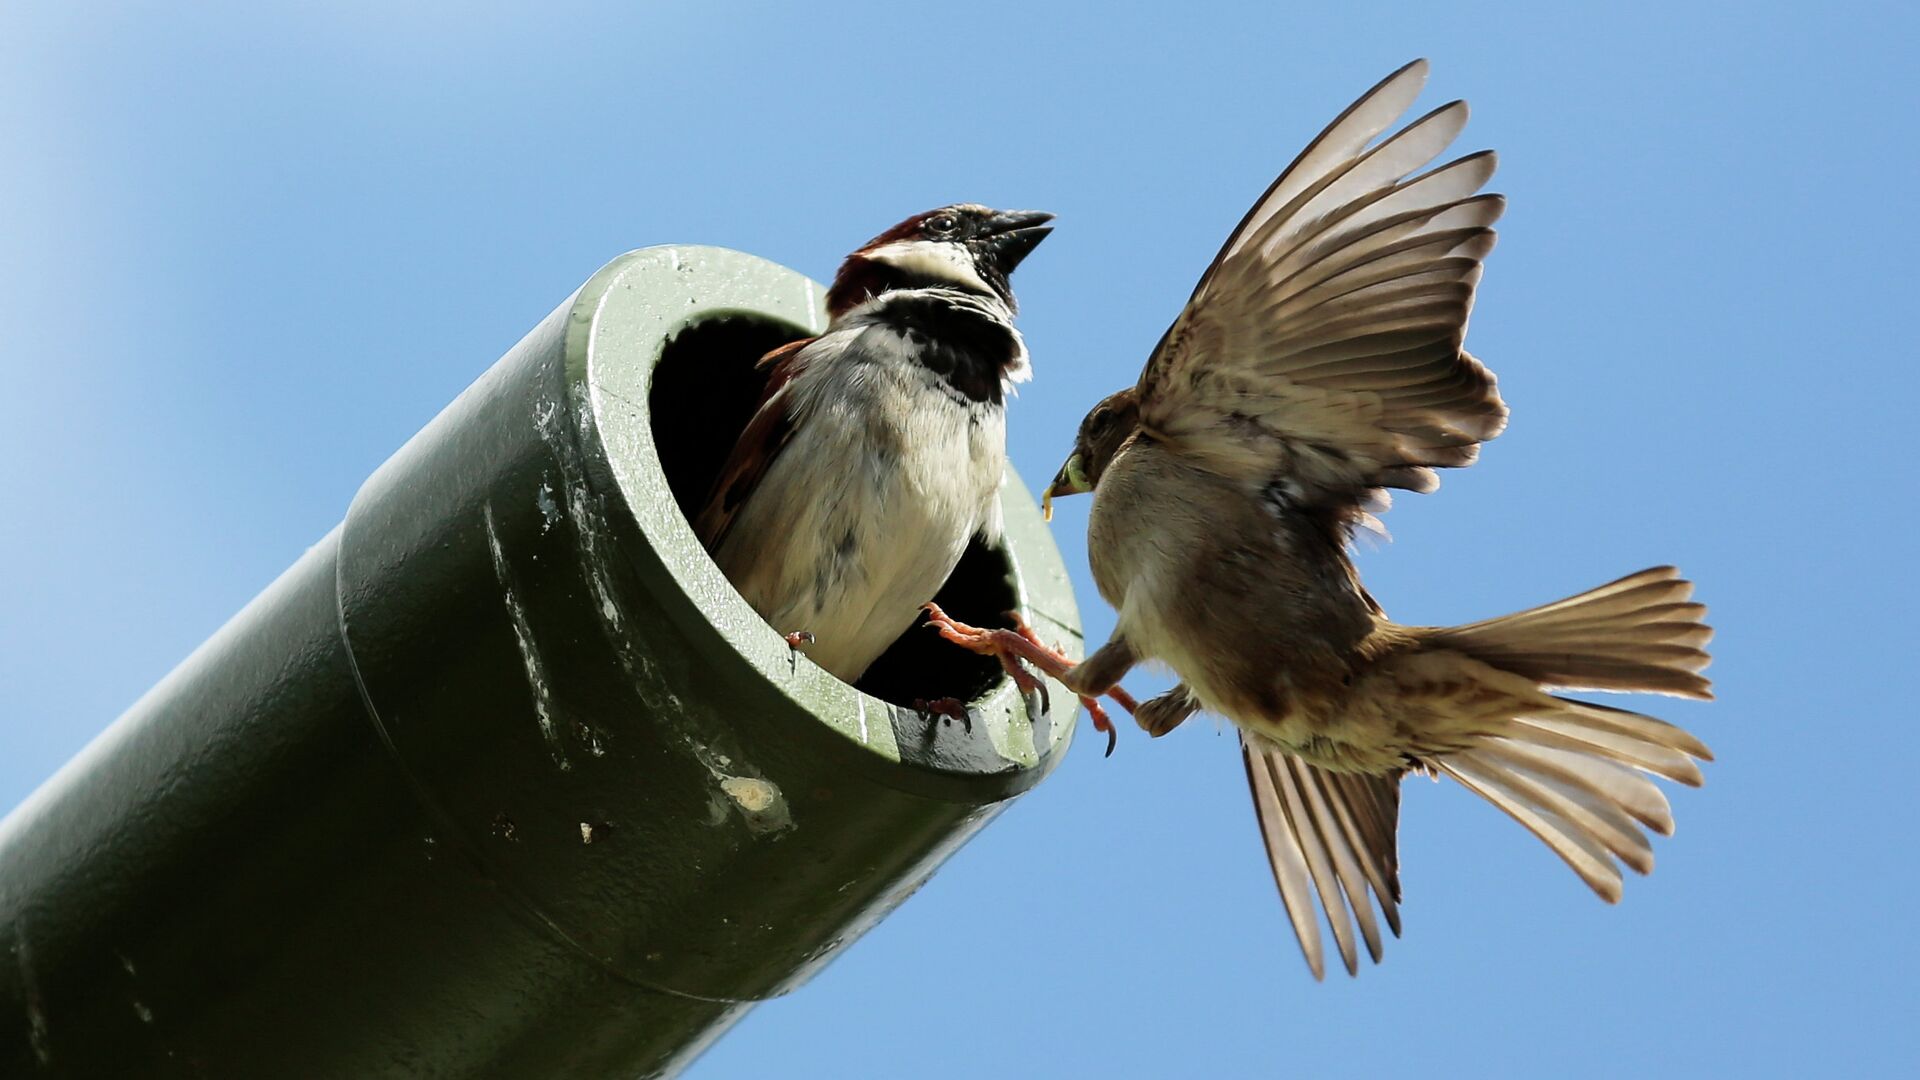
(1633, 725)
(1564, 731)
(1639, 797)
(1602, 817)
(1596, 673)
(1576, 774)
(1640, 633)
(1541, 816)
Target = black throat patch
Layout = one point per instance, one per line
(954, 338)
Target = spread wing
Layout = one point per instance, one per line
(1320, 355)
(1333, 832)
(766, 434)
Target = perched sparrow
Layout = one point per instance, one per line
(1318, 362)
(878, 447)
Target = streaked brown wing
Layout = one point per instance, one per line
(1321, 351)
(1333, 834)
(766, 434)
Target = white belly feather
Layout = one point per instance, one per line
(862, 516)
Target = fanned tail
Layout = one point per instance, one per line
(1641, 633)
(1576, 774)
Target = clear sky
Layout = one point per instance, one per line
(244, 256)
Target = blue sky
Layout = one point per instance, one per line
(244, 255)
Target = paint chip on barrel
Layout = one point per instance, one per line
(753, 796)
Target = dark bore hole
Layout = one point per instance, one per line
(704, 392)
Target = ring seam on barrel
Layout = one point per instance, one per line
(424, 796)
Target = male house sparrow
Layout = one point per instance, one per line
(877, 448)
(1318, 362)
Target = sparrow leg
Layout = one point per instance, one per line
(1166, 712)
(1102, 671)
(1115, 650)
(1073, 678)
(1012, 646)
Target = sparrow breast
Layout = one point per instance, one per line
(878, 449)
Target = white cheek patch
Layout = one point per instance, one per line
(938, 260)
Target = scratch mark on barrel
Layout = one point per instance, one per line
(523, 637)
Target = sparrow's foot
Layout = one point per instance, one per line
(1091, 702)
(994, 642)
(1012, 646)
(1102, 723)
(799, 638)
(950, 707)
(1162, 714)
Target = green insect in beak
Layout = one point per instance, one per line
(1070, 480)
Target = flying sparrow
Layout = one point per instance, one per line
(877, 448)
(1318, 363)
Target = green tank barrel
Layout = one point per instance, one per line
(502, 778)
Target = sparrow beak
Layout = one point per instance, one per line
(1070, 480)
(1010, 235)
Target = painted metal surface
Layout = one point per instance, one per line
(501, 777)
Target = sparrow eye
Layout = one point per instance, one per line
(942, 223)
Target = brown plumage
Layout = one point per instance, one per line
(1318, 363)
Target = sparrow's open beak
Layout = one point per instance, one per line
(1010, 235)
(1070, 480)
